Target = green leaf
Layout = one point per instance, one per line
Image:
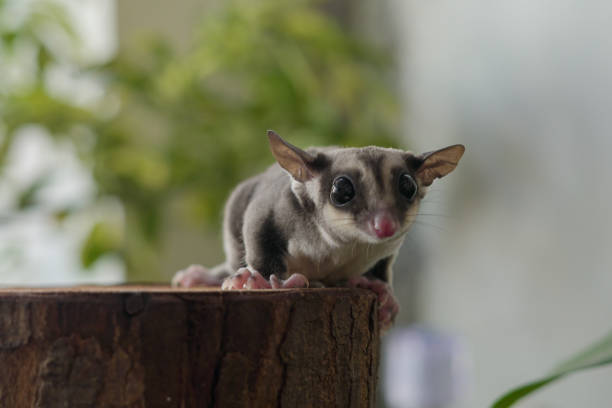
(103, 238)
(597, 355)
(600, 351)
(8, 39)
(516, 394)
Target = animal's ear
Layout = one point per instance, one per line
(293, 159)
(438, 163)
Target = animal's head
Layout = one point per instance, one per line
(370, 194)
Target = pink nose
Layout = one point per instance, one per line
(383, 225)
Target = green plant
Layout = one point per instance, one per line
(597, 355)
(179, 130)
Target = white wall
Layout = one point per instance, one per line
(522, 269)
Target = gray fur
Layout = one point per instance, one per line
(283, 222)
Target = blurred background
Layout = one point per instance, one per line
(124, 125)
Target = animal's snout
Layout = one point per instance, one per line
(383, 224)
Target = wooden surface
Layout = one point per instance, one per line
(160, 347)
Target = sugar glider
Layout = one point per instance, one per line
(329, 216)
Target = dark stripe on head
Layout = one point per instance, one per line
(326, 180)
(320, 162)
(413, 162)
(373, 163)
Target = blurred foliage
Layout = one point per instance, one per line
(104, 238)
(186, 127)
(595, 356)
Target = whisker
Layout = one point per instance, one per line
(411, 238)
(343, 224)
(435, 190)
(417, 222)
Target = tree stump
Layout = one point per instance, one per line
(161, 347)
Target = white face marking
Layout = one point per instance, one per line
(344, 262)
(344, 226)
(340, 245)
(312, 189)
(341, 223)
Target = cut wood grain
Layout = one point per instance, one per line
(162, 347)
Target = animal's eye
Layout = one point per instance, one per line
(342, 191)
(407, 186)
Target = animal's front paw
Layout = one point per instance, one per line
(194, 275)
(246, 278)
(387, 304)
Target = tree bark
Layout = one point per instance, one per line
(160, 347)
